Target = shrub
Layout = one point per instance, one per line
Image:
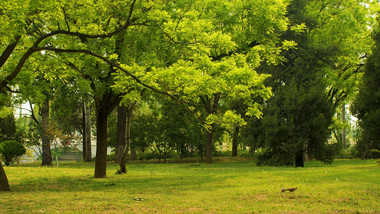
(269, 158)
(10, 150)
(245, 154)
(111, 156)
(217, 153)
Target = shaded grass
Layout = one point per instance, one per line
(227, 186)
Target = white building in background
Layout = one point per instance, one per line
(34, 152)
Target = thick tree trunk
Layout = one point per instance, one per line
(123, 159)
(209, 145)
(46, 150)
(4, 185)
(120, 132)
(101, 144)
(87, 156)
(235, 142)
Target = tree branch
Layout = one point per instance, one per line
(87, 77)
(8, 51)
(116, 65)
(33, 116)
(65, 16)
(13, 91)
(35, 47)
(242, 50)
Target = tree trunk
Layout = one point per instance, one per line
(123, 158)
(46, 150)
(299, 157)
(344, 143)
(87, 157)
(4, 185)
(201, 151)
(133, 153)
(120, 132)
(101, 144)
(209, 145)
(305, 153)
(235, 142)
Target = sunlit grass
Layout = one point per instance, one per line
(227, 186)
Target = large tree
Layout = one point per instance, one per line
(297, 118)
(367, 104)
(217, 46)
(31, 26)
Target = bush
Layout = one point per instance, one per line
(10, 150)
(221, 153)
(348, 153)
(269, 158)
(111, 157)
(245, 154)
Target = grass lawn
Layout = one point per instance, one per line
(227, 186)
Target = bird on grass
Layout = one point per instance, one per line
(290, 189)
(138, 199)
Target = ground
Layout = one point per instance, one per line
(226, 186)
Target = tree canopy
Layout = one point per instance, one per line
(288, 65)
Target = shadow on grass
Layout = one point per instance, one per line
(149, 181)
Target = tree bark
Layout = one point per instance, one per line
(211, 107)
(123, 158)
(120, 132)
(299, 162)
(201, 151)
(235, 141)
(87, 156)
(46, 150)
(209, 145)
(133, 153)
(304, 152)
(101, 144)
(103, 106)
(4, 185)
(8, 51)
(344, 143)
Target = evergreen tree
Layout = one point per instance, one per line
(297, 118)
(7, 128)
(367, 105)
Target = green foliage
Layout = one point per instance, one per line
(297, 118)
(180, 129)
(201, 53)
(366, 106)
(31, 133)
(159, 129)
(269, 158)
(8, 128)
(111, 157)
(67, 108)
(10, 150)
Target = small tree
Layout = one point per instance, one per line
(10, 150)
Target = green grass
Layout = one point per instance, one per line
(227, 186)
